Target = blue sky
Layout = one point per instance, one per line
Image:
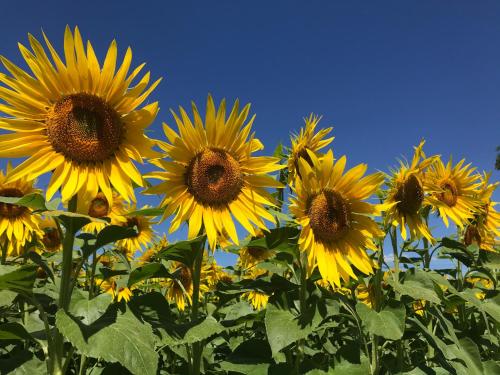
(384, 74)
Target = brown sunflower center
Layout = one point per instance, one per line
(11, 210)
(214, 177)
(472, 235)
(329, 215)
(449, 195)
(133, 222)
(185, 277)
(51, 239)
(84, 128)
(256, 252)
(99, 206)
(410, 195)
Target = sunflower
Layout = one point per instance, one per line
(482, 284)
(150, 254)
(257, 299)
(406, 196)
(110, 286)
(484, 229)
(250, 256)
(366, 294)
(180, 288)
(17, 225)
(145, 234)
(306, 141)
(212, 271)
(99, 207)
(213, 173)
(453, 191)
(76, 118)
(334, 217)
(51, 239)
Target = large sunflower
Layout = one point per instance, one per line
(99, 207)
(76, 118)
(213, 173)
(306, 141)
(484, 229)
(406, 196)
(330, 207)
(454, 191)
(17, 224)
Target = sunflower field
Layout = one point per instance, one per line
(336, 269)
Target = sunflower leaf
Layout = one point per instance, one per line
(388, 323)
(18, 279)
(114, 337)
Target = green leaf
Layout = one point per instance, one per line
(89, 310)
(35, 201)
(76, 220)
(153, 212)
(278, 239)
(203, 331)
(13, 331)
(237, 310)
(113, 233)
(115, 337)
(148, 271)
(417, 284)
(246, 368)
(252, 356)
(388, 323)
(18, 279)
(283, 328)
(182, 251)
(22, 363)
(346, 367)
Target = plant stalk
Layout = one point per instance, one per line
(197, 350)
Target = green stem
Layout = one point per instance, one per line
(394, 241)
(65, 287)
(197, 350)
(302, 300)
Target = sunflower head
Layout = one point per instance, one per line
(144, 234)
(257, 299)
(18, 226)
(77, 117)
(305, 142)
(407, 195)
(100, 207)
(51, 239)
(212, 176)
(454, 191)
(180, 288)
(331, 208)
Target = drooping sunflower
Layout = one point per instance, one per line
(180, 288)
(17, 224)
(212, 173)
(331, 208)
(454, 191)
(257, 299)
(406, 196)
(99, 207)
(51, 239)
(251, 256)
(145, 234)
(306, 141)
(77, 118)
(484, 229)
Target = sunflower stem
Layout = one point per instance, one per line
(196, 274)
(65, 287)
(302, 297)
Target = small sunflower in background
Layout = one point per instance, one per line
(406, 196)
(480, 283)
(145, 234)
(150, 254)
(250, 256)
(306, 141)
(99, 207)
(77, 118)
(257, 299)
(51, 239)
(212, 175)
(331, 208)
(366, 294)
(484, 229)
(180, 287)
(112, 287)
(18, 226)
(454, 191)
(212, 271)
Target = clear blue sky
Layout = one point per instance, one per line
(383, 73)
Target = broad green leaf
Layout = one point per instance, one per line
(148, 271)
(418, 285)
(237, 310)
(115, 337)
(388, 323)
(18, 279)
(203, 331)
(153, 212)
(252, 356)
(246, 368)
(346, 367)
(35, 201)
(89, 310)
(113, 233)
(22, 363)
(182, 251)
(7, 297)
(13, 331)
(283, 328)
(278, 239)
